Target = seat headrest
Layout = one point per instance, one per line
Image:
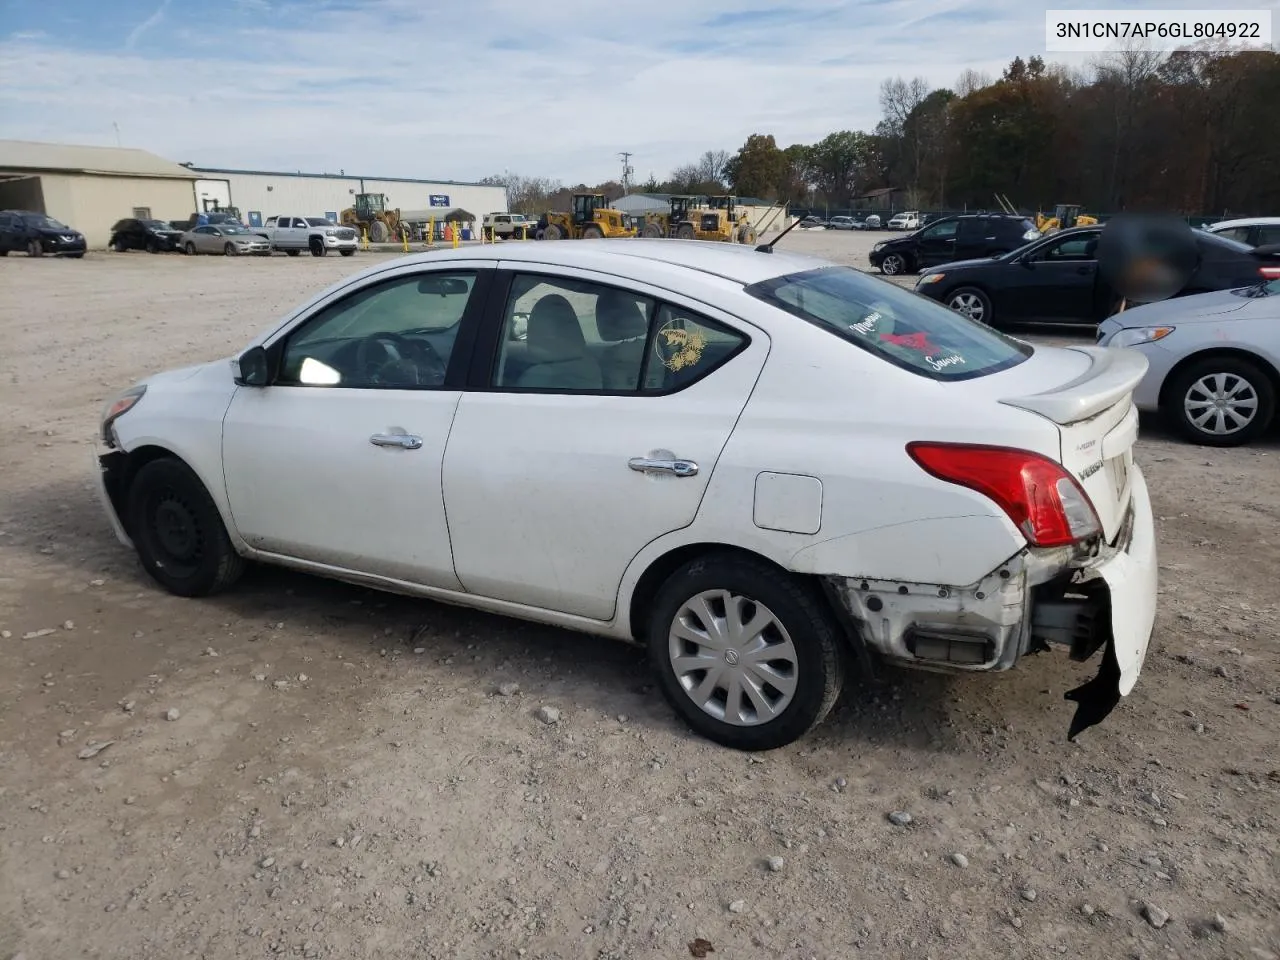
(554, 331)
(619, 317)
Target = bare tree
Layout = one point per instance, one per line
(713, 166)
(971, 82)
(899, 101)
(1128, 74)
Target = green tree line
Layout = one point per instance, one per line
(1193, 131)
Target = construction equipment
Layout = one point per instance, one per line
(678, 222)
(717, 220)
(590, 219)
(1065, 216)
(370, 214)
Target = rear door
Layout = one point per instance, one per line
(589, 438)
(972, 238)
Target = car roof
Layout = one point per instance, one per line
(1243, 222)
(729, 261)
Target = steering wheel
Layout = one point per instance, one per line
(399, 350)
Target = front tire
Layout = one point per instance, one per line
(35, 249)
(652, 231)
(750, 657)
(190, 249)
(893, 265)
(592, 232)
(317, 248)
(230, 250)
(746, 233)
(347, 253)
(552, 232)
(973, 303)
(1221, 402)
(178, 532)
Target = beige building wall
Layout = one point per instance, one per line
(92, 204)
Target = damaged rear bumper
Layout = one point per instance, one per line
(1103, 598)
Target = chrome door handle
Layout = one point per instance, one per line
(681, 468)
(406, 441)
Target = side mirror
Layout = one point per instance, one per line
(255, 369)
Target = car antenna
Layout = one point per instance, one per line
(768, 247)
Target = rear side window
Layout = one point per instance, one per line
(900, 327)
(1268, 235)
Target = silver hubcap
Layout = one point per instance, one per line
(733, 658)
(1221, 404)
(970, 304)
(892, 265)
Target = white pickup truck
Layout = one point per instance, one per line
(316, 234)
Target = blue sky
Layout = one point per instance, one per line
(458, 90)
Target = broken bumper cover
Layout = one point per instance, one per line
(1101, 600)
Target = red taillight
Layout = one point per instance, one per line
(1270, 273)
(1040, 497)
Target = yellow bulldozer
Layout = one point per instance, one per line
(1065, 216)
(689, 219)
(371, 215)
(590, 219)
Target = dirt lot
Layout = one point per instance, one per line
(341, 779)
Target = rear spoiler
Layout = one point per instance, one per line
(1112, 375)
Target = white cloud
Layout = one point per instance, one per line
(451, 90)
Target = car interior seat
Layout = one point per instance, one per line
(557, 350)
(621, 322)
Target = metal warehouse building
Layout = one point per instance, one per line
(90, 188)
(261, 194)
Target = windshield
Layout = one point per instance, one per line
(42, 222)
(905, 329)
(231, 228)
(319, 222)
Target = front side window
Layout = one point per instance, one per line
(398, 334)
(1075, 248)
(900, 327)
(941, 231)
(318, 222)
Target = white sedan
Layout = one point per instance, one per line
(768, 469)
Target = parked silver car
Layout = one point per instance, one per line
(1214, 360)
(230, 239)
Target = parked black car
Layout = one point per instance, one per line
(1055, 279)
(153, 236)
(36, 234)
(952, 238)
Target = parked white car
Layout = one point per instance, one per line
(1214, 360)
(1251, 231)
(768, 469)
(909, 220)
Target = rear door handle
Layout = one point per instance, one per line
(680, 468)
(405, 441)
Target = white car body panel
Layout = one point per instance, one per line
(524, 503)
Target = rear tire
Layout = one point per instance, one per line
(686, 232)
(1249, 401)
(805, 657)
(317, 248)
(746, 233)
(652, 231)
(179, 534)
(552, 232)
(118, 245)
(378, 232)
(973, 303)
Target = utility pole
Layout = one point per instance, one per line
(627, 170)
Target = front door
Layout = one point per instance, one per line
(937, 243)
(338, 460)
(1059, 284)
(591, 437)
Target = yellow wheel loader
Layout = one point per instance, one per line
(371, 215)
(590, 219)
(1065, 216)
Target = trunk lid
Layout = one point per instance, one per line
(1096, 419)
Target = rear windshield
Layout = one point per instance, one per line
(901, 327)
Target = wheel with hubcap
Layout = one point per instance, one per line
(318, 248)
(686, 232)
(35, 249)
(893, 265)
(190, 249)
(552, 232)
(178, 531)
(230, 250)
(592, 232)
(1220, 401)
(749, 656)
(972, 302)
(652, 231)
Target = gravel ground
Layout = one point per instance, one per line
(306, 769)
